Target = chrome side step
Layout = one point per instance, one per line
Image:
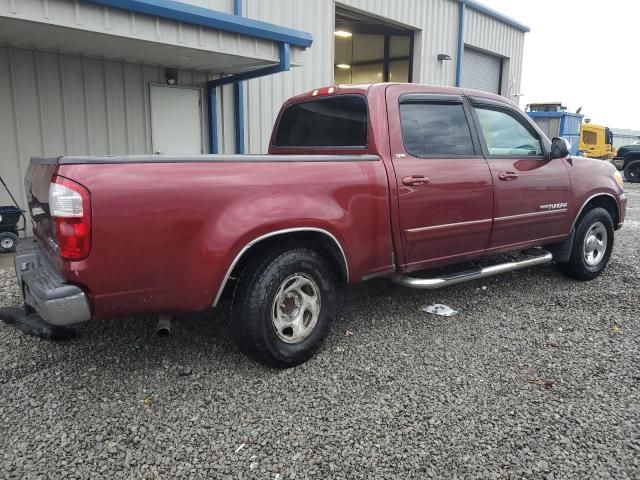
(466, 276)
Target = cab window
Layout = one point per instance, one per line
(505, 135)
(339, 121)
(435, 129)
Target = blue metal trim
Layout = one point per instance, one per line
(495, 14)
(283, 66)
(238, 96)
(461, 10)
(546, 114)
(213, 118)
(181, 12)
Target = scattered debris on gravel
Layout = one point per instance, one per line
(538, 377)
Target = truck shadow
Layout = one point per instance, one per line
(203, 344)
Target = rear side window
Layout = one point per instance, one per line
(435, 129)
(339, 121)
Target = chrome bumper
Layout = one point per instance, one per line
(45, 290)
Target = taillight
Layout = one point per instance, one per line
(70, 209)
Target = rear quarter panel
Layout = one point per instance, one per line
(165, 234)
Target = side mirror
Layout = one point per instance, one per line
(560, 148)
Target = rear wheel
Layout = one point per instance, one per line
(8, 242)
(283, 306)
(592, 246)
(632, 171)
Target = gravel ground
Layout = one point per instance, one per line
(536, 377)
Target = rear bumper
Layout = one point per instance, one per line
(618, 162)
(46, 291)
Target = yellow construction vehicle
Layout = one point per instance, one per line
(596, 141)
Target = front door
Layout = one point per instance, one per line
(532, 193)
(176, 120)
(445, 193)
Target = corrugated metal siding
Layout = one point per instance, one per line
(55, 104)
(622, 140)
(493, 36)
(79, 16)
(220, 5)
(265, 95)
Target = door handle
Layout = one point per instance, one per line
(415, 180)
(507, 176)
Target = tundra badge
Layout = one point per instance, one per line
(553, 206)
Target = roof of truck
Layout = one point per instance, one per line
(366, 88)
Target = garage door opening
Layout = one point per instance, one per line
(367, 50)
(481, 71)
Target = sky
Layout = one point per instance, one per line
(581, 53)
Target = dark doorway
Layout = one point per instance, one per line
(368, 50)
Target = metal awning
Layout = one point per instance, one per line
(156, 32)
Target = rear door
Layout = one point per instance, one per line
(445, 193)
(531, 192)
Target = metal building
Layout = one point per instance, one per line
(200, 76)
(623, 136)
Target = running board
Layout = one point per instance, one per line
(466, 276)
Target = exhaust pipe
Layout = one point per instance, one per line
(163, 330)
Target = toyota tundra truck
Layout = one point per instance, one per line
(361, 182)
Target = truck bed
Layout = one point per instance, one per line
(166, 230)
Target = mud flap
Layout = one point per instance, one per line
(562, 251)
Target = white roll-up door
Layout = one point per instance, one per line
(481, 71)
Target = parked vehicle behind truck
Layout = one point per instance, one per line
(361, 182)
(627, 160)
(596, 141)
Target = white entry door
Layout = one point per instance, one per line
(176, 120)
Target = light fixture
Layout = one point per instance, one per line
(343, 66)
(443, 56)
(342, 34)
(171, 76)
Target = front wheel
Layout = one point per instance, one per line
(283, 307)
(632, 171)
(592, 246)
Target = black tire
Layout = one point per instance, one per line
(588, 226)
(254, 306)
(632, 171)
(8, 242)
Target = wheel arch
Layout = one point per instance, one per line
(605, 200)
(317, 238)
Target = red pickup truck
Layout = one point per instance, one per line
(360, 182)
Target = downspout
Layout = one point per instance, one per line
(283, 66)
(238, 96)
(213, 117)
(461, 12)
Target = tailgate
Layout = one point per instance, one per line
(37, 182)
